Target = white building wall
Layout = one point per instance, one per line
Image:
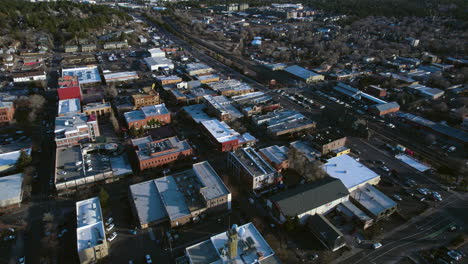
(322, 209)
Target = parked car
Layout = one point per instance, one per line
(112, 237)
(423, 191)
(376, 245)
(109, 221)
(385, 168)
(62, 232)
(313, 256)
(397, 197)
(110, 227)
(436, 196)
(454, 255)
(22, 260)
(148, 259)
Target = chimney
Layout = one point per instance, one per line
(232, 242)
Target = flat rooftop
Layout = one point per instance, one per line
(283, 121)
(88, 74)
(351, 172)
(326, 136)
(220, 130)
(372, 199)
(90, 227)
(69, 106)
(305, 148)
(276, 154)
(11, 187)
(229, 85)
(66, 160)
(254, 98)
(148, 203)
(251, 244)
(197, 67)
(222, 104)
(70, 124)
(145, 112)
(97, 105)
(8, 159)
(172, 199)
(300, 72)
(147, 148)
(253, 162)
(197, 112)
(121, 76)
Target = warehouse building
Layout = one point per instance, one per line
(283, 122)
(318, 197)
(304, 74)
(90, 234)
(120, 76)
(193, 69)
(384, 109)
(373, 202)
(230, 87)
(157, 53)
(352, 173)
(426, 92)
(29, 76)
(256, 174)
(158, 63)
(164, 80)
(180, 198)
(151, 153)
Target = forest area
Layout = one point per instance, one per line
(62, 20)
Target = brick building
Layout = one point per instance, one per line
(224, 137)
(147, 99)
(7, 112)
(140, 118)
(256, 174)
(151, 153)
(98, 108)
(69, 88)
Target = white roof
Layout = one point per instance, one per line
(8, 159)
(351, 172)
(90, 226)
(157, 52)
(276, 154)
(87, 74)
(10, 187)
(121, 76)
(220, 130)
(413, 162)
(69, 106)
(197, 112)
